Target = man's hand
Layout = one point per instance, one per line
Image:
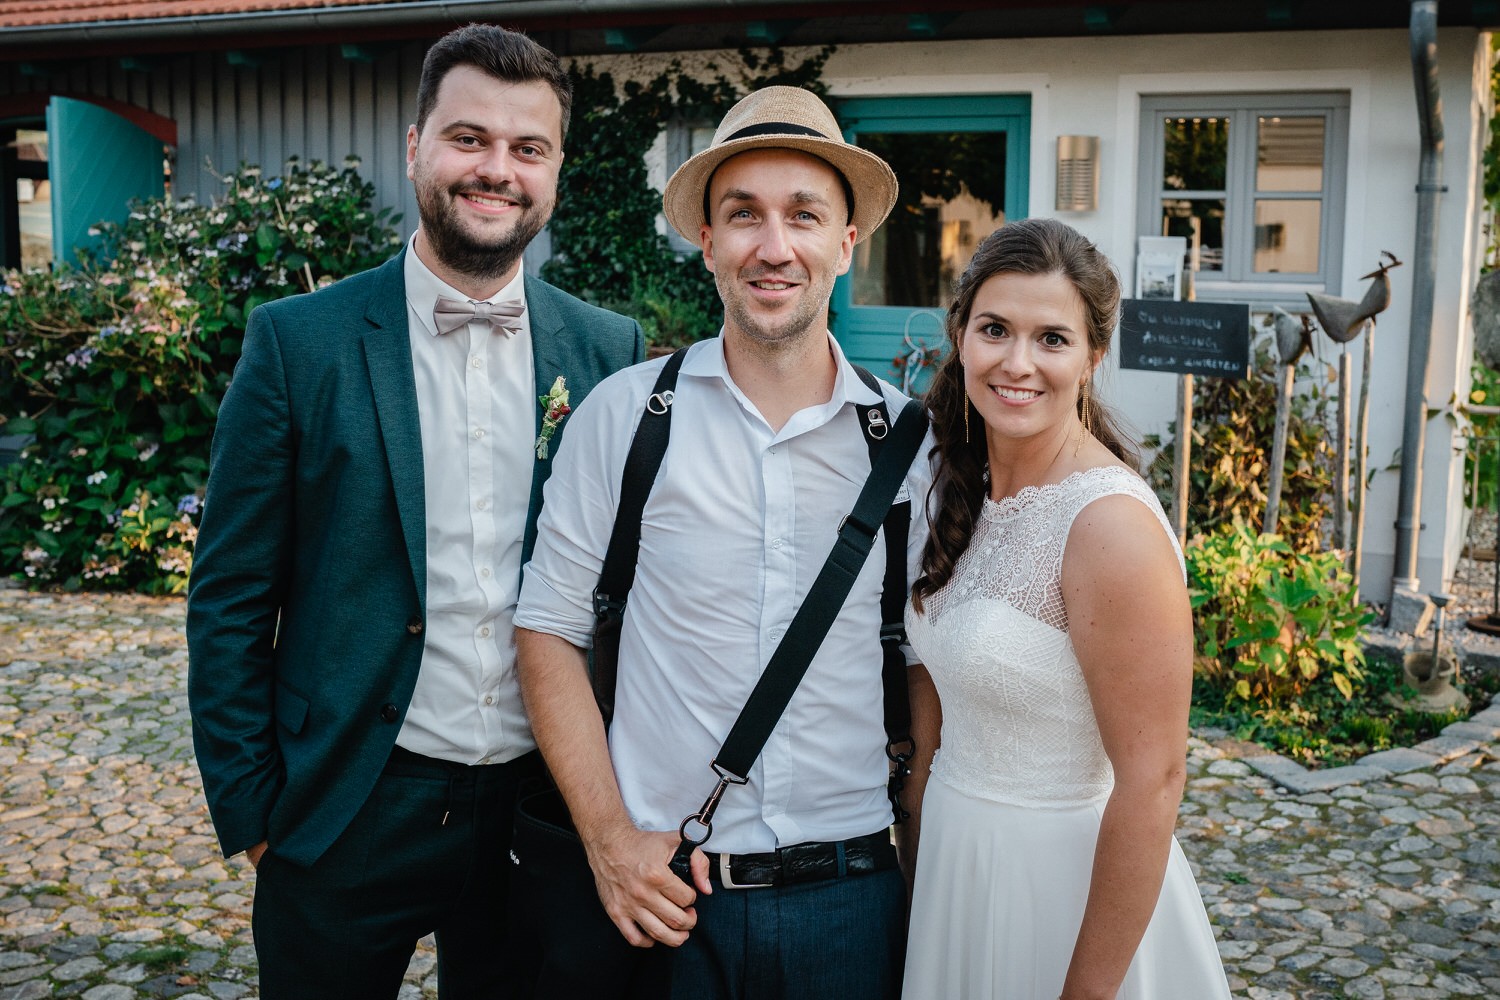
(644, 898)
(253, 854)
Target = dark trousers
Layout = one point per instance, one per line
(428, 852)
(842, 938)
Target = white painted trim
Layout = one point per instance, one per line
(1041, 183)
(1133, 87)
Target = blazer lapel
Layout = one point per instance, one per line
(549, 352)
(388, 357)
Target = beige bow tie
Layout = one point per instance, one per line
(503, 317)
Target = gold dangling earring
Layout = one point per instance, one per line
(966, 416)
(1088, 423)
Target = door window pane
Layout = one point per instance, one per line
(952, 189)
(1289, 154)
(1197, 152)
(34, 196)
(1201, 221)
(1286, 235)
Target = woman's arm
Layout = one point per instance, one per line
(1131, 625)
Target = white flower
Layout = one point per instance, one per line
(96, 478)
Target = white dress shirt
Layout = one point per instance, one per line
(737, 526)
(477, 400)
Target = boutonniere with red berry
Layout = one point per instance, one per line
(554, 408)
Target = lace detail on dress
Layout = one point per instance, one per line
(1017, 722)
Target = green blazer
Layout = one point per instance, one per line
(306, 606)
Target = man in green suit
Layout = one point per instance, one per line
(376, 475)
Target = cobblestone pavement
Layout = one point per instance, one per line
(112, 888)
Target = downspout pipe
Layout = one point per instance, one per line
(1424, 280)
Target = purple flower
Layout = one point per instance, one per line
(190, 504)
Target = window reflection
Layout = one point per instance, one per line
(952, 189)
(1286, 235)
(1289, 154)
(1201, 222)
(1197, 152)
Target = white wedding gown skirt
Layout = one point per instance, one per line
(1000, 896)
(1013, 805)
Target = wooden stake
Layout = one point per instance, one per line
(1361, 460)
(1341, 457)
(1278, 448)
(1182, 450)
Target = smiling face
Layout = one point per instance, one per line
(1025, 354)
(776, 238)
(484, 166)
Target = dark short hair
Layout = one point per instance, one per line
(505, 55)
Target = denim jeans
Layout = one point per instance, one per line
(843, 938)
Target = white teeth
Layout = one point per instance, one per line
(487, 201)
(772, 286)
(1017, 393)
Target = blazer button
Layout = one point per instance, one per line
(388, 712)
(414, 626)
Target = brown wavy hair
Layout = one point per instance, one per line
(1026, 246)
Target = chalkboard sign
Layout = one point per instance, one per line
(1190, 338)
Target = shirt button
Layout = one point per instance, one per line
(477, 362)
(775, 543)
(776, 635)
(485, 572)
(483, 504)
(489, 699)
(484, 633)
(478, 433)
(388, 712)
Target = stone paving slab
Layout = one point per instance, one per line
(1386, 885)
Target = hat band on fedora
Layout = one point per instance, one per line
(774, 128)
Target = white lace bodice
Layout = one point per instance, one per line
(1017, 722)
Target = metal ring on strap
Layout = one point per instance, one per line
(659, 401)
(878, 428)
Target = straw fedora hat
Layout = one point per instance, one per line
(782, 118)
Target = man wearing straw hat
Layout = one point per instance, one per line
(797, 891)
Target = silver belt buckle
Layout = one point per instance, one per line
(726, 879)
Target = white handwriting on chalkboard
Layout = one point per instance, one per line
(1147, 317)
(1183, 340)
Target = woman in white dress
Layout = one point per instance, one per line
(1053, 617)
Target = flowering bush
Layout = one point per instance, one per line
(114, 369)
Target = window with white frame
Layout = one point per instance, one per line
(1255, 182)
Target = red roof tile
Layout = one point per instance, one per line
(21, 13)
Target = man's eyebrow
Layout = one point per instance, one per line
(462, 125)
(797, 198)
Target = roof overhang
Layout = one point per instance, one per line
(584, 27)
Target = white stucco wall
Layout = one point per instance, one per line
(1093, 86)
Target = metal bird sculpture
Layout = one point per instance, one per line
(1343, 320)
(1293, 339)
(1293, 336)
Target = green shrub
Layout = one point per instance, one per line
(1234, 423)
(1269, 622)
(1482, 456)
(115, 368)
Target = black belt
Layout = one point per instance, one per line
(812, 862)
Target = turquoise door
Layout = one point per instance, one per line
(962, 166)
(96, 163)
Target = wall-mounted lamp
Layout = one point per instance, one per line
(1077, 173)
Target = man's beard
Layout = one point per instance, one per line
(459, 250)
(771, 331)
